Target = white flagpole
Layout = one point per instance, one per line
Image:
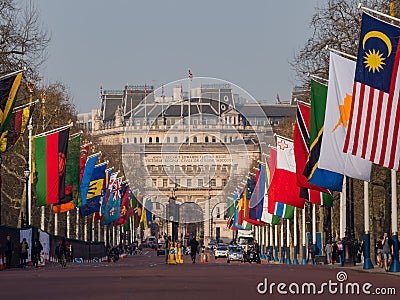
(276, 256)
(303, 232)
(68, 223)
(189, 105)
(85, 229)
(30, 128)
(367, 241)
(295, 261)
(314, 228)
(12, 74)
(377, 12)
(77, 224)
(395, 265)
(282, 242)
(343, 209)
(55, 224)
(105, 234)
(271, 241)
(288, 262)
(55, 130)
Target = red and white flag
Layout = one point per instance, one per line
(190, 75)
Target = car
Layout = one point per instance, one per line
(211, 245)
(221, 251)
(235, 253)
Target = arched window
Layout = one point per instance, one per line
(206, 139)
(135, 140)
(150, 139)
(214, 140)
(230, 139)
(141, 140)
(195, 139)
(225, 139)
(168, 139)
(175, 139)
(157, 139)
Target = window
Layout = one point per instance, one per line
(158, 205)
(206, 139)
(135, 140)
(195, 139)
(178, 182)
(224, 181)
(175, 139)
(218, 213)
(155, 181)
(141, 140)
(165, 182)
(230, 139)
(199, 182)
(189, 182)
(214, 140)
(213, 183)
(157, 139)
(225, 139)
(168, 139)
(150, 139)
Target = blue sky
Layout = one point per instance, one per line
(111, 43)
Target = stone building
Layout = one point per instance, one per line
(195, 146)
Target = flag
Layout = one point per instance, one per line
(112, 208)
(131, 212)
(82, 160)
(18, 122)
(136, 205)
(190, 75)
(50, 160)
(71, 177)
(302, 145)
(124, 207)
(231, 215)
(317, 176)
(98, 215)
(146, 220)
(319, 198)
(256, 198)
(87, 177)
(373, 128)
(111, 181)
(283, 188)
(9, 87)
(94, 192)
(266, 217)
(338, 104)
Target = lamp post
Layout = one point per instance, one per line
(26, 175)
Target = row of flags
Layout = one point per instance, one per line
(67, 177)
(351, 122)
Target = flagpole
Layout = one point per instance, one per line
(377, 12)
(395, 265)
(12, 74)
(68, 223)
(276, 244)
(303, 233)
(343, 209)
(25, 105)
(341, 53)
(43, 98)
(55, 224)
(314, 230)
(295, 261)
(29, 179)
(266, 238)
(77, 224)
(189, 104)
(55, 130)
(288, 262)
(271, 242)
(282, 244)
(367, 241)
(85, 229)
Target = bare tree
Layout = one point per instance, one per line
(23, 41)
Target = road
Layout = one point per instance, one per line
(148, 277)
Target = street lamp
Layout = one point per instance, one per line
(27, 172)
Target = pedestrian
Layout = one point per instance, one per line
(329, 251)
(340, 251)
(311, 253)
(9, 251)
(36, 250)
(194, 244)
(378, 251)
(387, 251)
(23, 252)
(334, 252)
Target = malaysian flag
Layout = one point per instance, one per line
(190, 74)
(373, 128)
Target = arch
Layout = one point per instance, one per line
(195, 139)
(157, 139)
(190, 212)
(150, 140)
(206, 139)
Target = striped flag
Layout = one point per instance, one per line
(190, 75)
(373, 128)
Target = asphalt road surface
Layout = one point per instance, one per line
(148, 277)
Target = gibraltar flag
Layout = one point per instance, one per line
(284, 188)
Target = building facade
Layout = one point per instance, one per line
(196, 146)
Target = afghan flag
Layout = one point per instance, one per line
(72, 177)
(50, 160)
(18, 122)
(9, 87)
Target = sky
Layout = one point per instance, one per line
(111, 43)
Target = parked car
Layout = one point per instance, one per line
(235, 253)
(221, 251)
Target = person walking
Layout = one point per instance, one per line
(36, 250)
(329, 251)
(9, 251)
(378, 251)
(194, 244)
(340, 251)
(23, 256)
(387, 251)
